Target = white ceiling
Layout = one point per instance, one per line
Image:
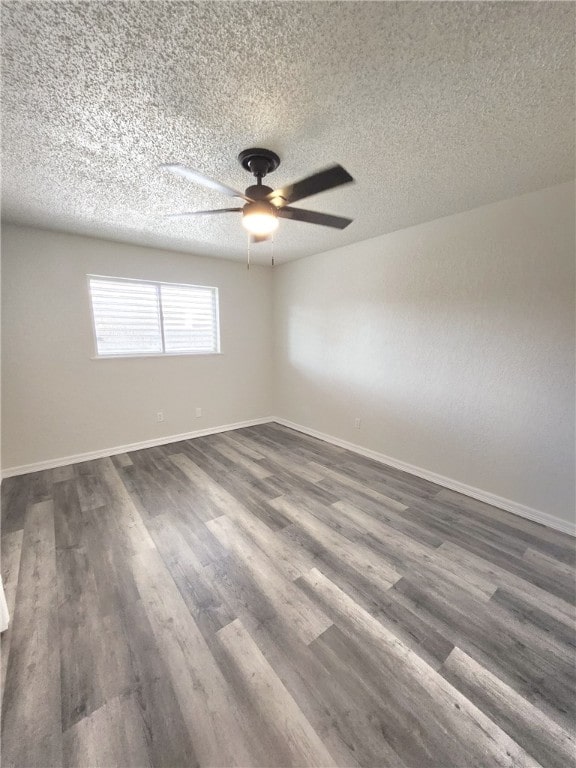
(433, 107)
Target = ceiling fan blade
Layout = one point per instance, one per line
(260, 238)
(329, 178)
(199, 178)
(200, 213)
(314, 217)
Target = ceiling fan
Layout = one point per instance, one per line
(264, 205)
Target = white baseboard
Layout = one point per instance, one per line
(476, 493)
(63, 461)
(454, 485)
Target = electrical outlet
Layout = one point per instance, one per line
(357, 423)
(160, 416)
(198, 412)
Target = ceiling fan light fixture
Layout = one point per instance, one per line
(259, 218)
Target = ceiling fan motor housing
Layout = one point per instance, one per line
(258, 191)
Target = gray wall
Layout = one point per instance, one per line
(58, 401)
(452, 341)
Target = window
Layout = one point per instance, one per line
(136, 317)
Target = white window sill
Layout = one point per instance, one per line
(156, 354)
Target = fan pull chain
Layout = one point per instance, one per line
(272, 250)
(248, 253)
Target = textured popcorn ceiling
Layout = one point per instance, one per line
(433, 107)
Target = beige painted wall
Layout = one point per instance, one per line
(57, 401)
(452, 341)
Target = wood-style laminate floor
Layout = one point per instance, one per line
(262, 598)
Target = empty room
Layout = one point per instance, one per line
(288, 384)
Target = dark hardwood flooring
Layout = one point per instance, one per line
(262, 598)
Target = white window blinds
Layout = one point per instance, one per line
(145, 318)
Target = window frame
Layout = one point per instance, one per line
(157, 283)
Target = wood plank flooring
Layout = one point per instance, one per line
(262, 598)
